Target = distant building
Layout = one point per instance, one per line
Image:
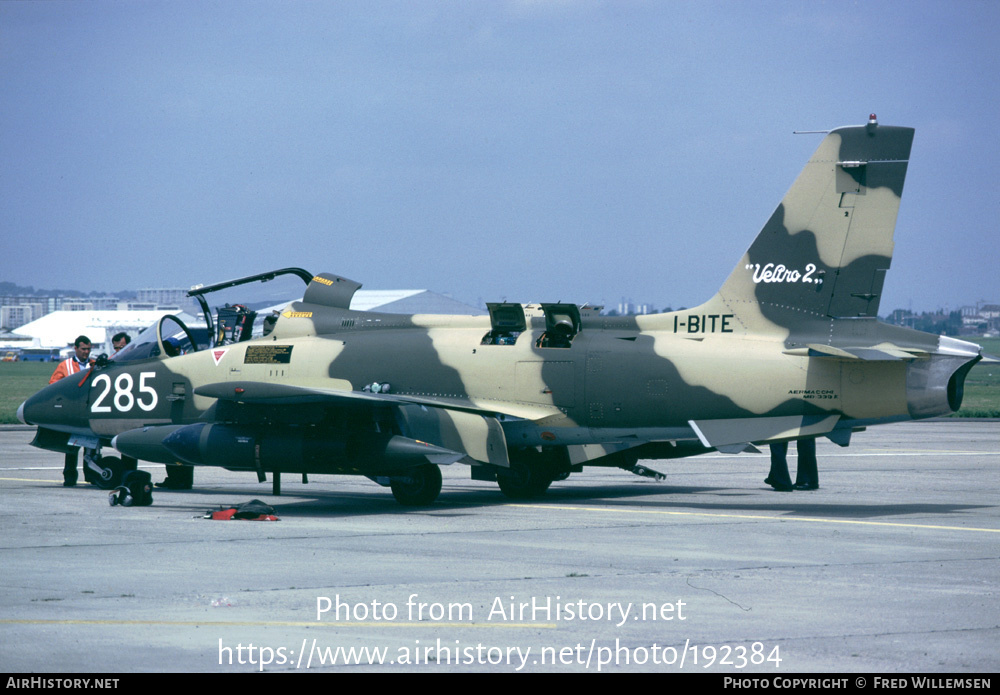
(42, 305)
(15, 316)
(167, 296)
(981, 319)
(990, 311)
(76, 305)
(45, 304)
(104, 303)
(630, 308)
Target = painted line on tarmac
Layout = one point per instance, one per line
(859, 454)
(903, 454)
(756, 517)
(34, 480)
(702, 457)
(151, 466)
(275, 623)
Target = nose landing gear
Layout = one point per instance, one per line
(106, 472)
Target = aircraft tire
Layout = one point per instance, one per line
(111, 475)
(421, 486)
(523, 481)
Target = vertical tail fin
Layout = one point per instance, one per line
(827, 247)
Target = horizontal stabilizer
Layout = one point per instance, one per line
(875, 353)
(733, 436)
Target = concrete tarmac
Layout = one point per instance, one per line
(892, 566)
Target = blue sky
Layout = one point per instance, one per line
(527, 150)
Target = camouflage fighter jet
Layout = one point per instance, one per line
(790, 347)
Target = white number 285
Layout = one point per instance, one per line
(123, 398)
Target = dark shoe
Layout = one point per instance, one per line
(778, 486)
(806, 486)
(69, 482)
(169, 484)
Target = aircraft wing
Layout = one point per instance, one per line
(287, 394)
(455, 424)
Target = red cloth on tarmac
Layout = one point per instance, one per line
(230, 515)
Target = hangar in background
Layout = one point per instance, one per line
(60, 328)
(410, 302)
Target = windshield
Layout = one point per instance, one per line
(176, 341)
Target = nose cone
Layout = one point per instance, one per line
(60, 406)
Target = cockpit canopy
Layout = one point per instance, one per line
(252, 313)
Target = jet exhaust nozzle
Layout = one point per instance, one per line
(935, 386)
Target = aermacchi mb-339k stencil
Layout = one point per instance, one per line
(790, 347)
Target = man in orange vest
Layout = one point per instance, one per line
(78, 362)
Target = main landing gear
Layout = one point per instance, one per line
(417, 487)
(530, 474)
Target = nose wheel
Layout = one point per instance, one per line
(105, 472)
